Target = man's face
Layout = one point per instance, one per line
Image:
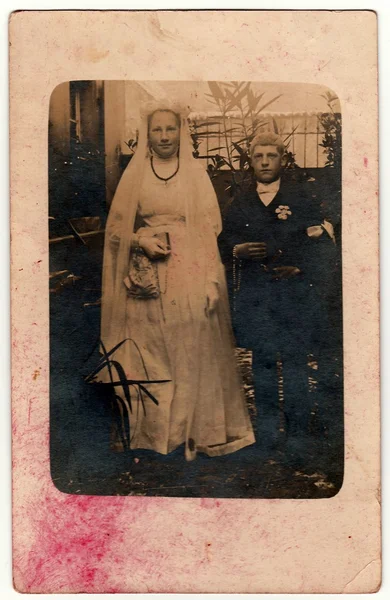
(164, 134)
(267, 163)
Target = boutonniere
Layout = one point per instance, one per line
(283, 212)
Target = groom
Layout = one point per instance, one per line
(272, 238)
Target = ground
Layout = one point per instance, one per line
(81, 462)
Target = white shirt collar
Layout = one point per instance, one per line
(267, 191)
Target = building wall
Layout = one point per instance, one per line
(122, 101)
(59, 119)
(114, 118)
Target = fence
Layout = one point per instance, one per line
(303, 130)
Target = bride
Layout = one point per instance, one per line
(164, 288)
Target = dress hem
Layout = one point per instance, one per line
(212, 451)
(229, 447)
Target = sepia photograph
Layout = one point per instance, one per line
(196, 335)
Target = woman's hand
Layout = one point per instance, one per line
(153, 247)
(212, 298)
(251, 251)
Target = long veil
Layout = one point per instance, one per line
(203, 225)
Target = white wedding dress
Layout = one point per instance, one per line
(203, 404)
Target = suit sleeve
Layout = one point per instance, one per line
(232, 233)
(318, 254)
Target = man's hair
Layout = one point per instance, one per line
(267, 139)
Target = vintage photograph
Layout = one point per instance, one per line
(196, 339)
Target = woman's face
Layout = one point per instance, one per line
(164, 134)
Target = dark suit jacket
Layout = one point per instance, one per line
(282, 311)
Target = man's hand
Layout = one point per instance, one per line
(153, 247)
(285, 272)
(251, 251)
(315, 231)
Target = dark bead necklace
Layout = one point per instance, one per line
(164, 178)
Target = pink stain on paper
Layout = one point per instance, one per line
(76, 538)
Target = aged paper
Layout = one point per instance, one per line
(85, 72)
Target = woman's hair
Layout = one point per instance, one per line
(267, 139)
(163, 110)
